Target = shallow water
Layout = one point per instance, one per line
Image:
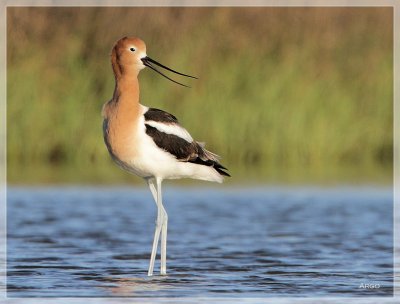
(250, 242)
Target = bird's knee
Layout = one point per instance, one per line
(159, 222)
(165, 218)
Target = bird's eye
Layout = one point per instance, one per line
(132, 49)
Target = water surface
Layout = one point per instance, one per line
(249, 242)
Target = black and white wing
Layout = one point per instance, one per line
(170, 136)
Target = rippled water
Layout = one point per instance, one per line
(250, 242)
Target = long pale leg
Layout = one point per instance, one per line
(158, 226)
(164, 229)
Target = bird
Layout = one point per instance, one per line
(149, 142)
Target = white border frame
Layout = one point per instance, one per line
(198, 3)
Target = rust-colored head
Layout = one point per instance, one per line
(126, 56)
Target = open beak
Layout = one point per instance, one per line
(147, 61)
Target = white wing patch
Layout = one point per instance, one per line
(172, 129)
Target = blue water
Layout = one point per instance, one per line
(243, 242)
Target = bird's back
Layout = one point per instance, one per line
(170, 136)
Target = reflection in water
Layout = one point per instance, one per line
(234, 242)
(130, 286)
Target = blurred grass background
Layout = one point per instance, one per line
(285, 94)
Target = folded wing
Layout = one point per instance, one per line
(170, 136)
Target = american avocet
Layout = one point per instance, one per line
(150, 142)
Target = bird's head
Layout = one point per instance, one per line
(127, 53)
(129, 56)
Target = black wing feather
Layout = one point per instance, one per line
(160, 116)
(177, 146)
(183, 150)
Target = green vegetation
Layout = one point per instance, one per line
(281, 90)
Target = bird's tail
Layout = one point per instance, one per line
(212, 159)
